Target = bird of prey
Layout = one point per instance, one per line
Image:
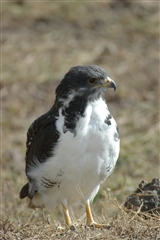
(72, 148)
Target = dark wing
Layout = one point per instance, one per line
(42, 137)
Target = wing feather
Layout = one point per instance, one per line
(42, 138)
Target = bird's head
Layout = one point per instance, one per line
(85, 81)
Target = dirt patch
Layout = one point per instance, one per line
(146, 197)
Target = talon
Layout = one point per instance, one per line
(68, 219)
(90, 221)
(98, 225)
(72, 228)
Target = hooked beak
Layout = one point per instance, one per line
(109, 83)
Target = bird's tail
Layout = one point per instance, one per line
(24, 191)
(35, 199)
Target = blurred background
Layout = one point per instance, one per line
(41, 41)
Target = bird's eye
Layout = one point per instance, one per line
(92, 80)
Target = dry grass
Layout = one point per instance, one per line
(122, 226)
(40, 42)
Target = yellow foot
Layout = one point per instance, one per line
(94, 225)
(68, 219)
(90, 221)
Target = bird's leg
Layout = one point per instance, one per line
(90, 220)
(67, 218)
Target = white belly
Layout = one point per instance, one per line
(81, 162)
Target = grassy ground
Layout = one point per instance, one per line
(40, 42)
